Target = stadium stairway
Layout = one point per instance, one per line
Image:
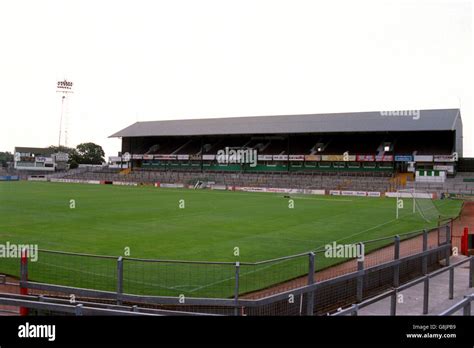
(400, 181)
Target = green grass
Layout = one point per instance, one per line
(148, 221)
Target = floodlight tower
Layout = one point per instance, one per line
(65, 88)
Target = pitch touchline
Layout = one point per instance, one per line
(107, 276)
(224, 280)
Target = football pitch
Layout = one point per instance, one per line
(181, 224)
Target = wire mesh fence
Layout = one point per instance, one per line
(175, 278)
(69, 269)
(327, 266)
(333, 295)
(274, 276)
(292, 305)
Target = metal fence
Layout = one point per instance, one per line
(464, 304)
(425, 280)
(43, 305)
(303, 284)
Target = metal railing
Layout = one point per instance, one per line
(354, 309)
(464, 304)
(56, 305)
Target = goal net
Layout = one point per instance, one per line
(417, 202)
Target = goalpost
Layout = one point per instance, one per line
(421, 203)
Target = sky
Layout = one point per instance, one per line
(157, 60)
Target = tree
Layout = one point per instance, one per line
(85, 153)
(61, 149)
(90, 153)
(73, 164)
(5, 157)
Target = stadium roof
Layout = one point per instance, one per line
(426, 120)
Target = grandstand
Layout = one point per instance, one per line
(364, 151)
(358, 151)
